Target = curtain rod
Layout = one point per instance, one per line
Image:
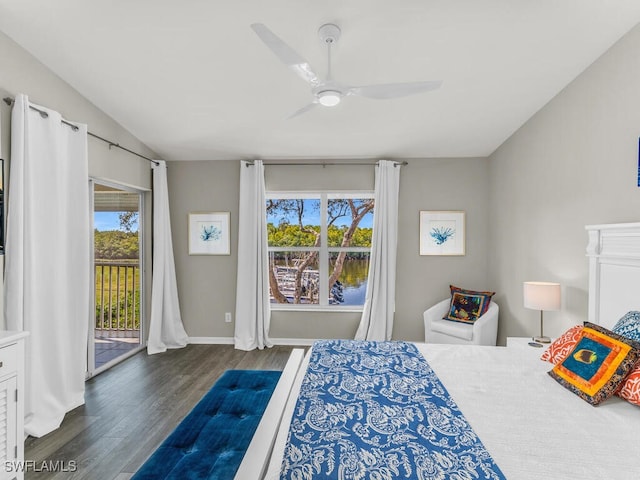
(322, 164)
(9, 101)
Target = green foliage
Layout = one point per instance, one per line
(361, 236)
(116, 245)
(117, 301)
(286, 235)
(289, 233)
(120, 316)
(117, 297)
(127, 220)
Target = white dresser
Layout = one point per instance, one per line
(12, 355)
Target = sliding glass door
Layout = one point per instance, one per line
(115, 330)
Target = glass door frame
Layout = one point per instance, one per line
(91, 369)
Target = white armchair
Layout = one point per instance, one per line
(437, 330)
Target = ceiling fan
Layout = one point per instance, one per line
(328, 92)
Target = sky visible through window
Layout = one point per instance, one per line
(107, 221)
(312, 217)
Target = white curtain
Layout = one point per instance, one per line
(377, 317)
(47, 286)
(165, 326)
(252, 292)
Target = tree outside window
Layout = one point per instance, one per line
(319, 247)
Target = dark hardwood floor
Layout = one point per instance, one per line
(132, 407)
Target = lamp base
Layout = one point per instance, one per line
(542, 339)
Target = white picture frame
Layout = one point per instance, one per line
(209, 233)
(442, 232)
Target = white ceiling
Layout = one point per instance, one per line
(191, 80)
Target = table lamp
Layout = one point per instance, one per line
(542, 296)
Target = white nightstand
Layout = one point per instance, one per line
(12, 402)
(522, 343)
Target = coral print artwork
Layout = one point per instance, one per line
(209, 233)
(442, 233)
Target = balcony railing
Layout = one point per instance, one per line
(117, 298)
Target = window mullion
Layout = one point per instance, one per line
(323, 263)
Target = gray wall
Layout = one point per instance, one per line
(20, 72)
(574, 163)
(439, 184)
(207, 284)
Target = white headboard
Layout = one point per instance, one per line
(614, 271)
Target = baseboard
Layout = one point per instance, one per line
(293, 342)
(211, 340)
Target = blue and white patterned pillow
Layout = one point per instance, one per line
(629, 325)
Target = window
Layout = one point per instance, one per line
(319, 248)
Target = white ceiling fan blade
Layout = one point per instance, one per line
(286, 54)
(304, 109)
(394, 90)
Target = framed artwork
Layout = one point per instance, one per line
(442, 233)
(209, 233)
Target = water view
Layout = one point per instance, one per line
(350, 288)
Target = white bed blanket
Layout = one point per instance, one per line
(533, 427)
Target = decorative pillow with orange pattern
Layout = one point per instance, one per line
(630, 389)
(598, 364)
(561, 346)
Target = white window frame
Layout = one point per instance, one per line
(323, 250)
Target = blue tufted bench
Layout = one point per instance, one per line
(211, 440)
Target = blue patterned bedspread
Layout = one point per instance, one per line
(376, 410)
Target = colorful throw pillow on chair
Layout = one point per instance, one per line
(467, 306)
(487, 296)
(598, 364)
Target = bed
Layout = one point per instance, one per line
(530, 426)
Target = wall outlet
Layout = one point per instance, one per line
(227, 317)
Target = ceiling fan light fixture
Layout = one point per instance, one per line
(328, 92)
(329, 98)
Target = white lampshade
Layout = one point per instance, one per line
(542, 295)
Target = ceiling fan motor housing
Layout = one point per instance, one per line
(329, 33)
